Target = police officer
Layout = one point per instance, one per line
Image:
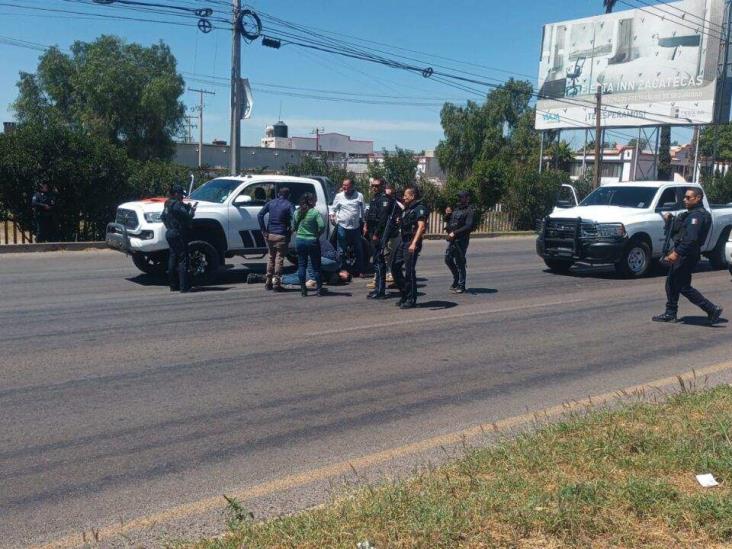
(459, 224)
(43, 204)
(178, 219)
(689, 232)
(380, 222)
(413, 226)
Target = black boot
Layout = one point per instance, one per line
(303, 290)
(268, 283)
(665, 317)
(408, 304)
(713, 315)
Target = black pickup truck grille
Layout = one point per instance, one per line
(128, 218)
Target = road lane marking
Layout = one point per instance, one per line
(290, 482)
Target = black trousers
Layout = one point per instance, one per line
(45, 230)
(678, 282)
(456, 261)
(179, 276)
(404, 269)
(379, 268)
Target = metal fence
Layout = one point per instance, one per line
(494, 221)
(11, 233)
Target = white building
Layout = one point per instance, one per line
(276, 137)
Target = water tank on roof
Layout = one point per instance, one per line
(280, 129)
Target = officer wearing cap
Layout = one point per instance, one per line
(460, 222)
(380, 223)
(689, 232)
(413, 226)
(178, 220)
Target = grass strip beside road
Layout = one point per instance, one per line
(611, 477)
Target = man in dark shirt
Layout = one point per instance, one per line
(178, 220)
(689, 232)
(413, 225)
(277, 235)
(380, 223)
(459, 224)
(43, 204)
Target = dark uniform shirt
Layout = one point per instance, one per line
(413, 213)
(461, 221)
(40, 200)
(690, 231)
(381, 216)
(177, 216)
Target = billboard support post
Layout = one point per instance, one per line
(655, 153)
(584, 157)
(697, 133)
(637, 154)
(541, 151)
(598, 137)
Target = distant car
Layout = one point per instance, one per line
(622, 224)
(225, 224)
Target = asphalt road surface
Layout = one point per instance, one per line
(120, 400)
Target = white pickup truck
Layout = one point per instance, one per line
(225, 224)
(622, 224)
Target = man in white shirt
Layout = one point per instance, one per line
(347, 214)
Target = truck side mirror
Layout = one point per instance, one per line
(564, 204)
(242, 200)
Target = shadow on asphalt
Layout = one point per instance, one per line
(436, 305)
(701, 321)
(608, 272)
(479, 291)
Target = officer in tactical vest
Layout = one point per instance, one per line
(380, 223)
(43, 204)
(460, 222)
(689, 232)
(413, 226)
(178, 219)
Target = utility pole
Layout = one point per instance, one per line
(317, 132)
(200, 121)
(235, 93)
(598, 137)
(189, 126)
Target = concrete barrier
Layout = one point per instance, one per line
(51, 247)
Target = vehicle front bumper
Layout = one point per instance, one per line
(144, 239)
(586, 251)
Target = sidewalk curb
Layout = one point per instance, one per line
(51, 247)
(485, 235)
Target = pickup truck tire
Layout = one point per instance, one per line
(717, 257)
(204, 262)
(152, 264)
(636, 261)
(558, 265)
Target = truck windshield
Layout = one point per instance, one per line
(216, 190)
(625, 197)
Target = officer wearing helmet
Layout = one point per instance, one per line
(178, 220)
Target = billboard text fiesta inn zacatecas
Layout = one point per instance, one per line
(654, 67)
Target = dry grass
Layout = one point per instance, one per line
(610, 478)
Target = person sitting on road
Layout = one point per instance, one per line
(330, 268)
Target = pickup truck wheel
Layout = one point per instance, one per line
(716, 256)
(152, 264)
(558, 265)
(636, 261)
(204, 262)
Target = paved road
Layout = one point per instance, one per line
(121, 400)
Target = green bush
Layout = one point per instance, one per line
(531, 195)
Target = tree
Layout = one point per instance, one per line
(665, 173)
(532, 195)
(315, 165)
(723, 135)
(501, 127)
(642, 144)
(89, 175)
(398, 167)
(125, 94)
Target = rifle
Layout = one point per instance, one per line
(668, 225)
(388, 225)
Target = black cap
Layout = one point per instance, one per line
(177, 188)
(464, 194)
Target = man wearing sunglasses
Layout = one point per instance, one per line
(689, 232)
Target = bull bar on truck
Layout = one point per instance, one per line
(572, 239)
(118, 238)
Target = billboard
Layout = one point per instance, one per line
(655, 65)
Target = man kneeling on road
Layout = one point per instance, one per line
(277, 235)
(689, 232)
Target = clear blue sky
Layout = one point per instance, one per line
(503, 37)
